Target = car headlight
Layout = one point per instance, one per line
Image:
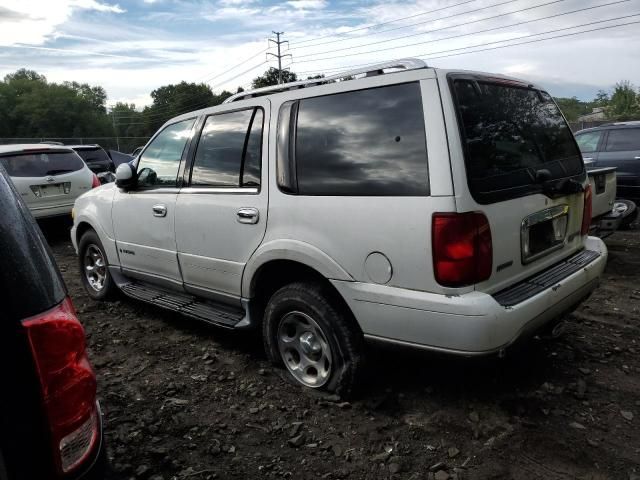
(73, 213)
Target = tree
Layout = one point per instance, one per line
(270, 77)
(624, 101)
(572, 108)
(601, 100)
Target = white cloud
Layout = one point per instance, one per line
(308, 4)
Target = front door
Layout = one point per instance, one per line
(221, 214)
(144, 217)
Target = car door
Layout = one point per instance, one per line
(144, 217)
(622, 150)
(589, 142)
(221, 214)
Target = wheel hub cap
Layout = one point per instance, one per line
(95, 268)
(304, 349)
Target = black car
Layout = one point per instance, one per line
(615, 145)
(96, 158)
(50, 421)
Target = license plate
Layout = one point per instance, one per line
(51, 190)
(543, 232)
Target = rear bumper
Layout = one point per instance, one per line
(51, 211)
(471, 324)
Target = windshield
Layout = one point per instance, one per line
(94, 155)
(510, 134)
(41, 164)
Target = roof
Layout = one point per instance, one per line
(21, 147)
(611, 126)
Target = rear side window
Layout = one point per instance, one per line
(588, 142)
(509, 133)
(41, 164)
(623, 140)
(229, 151)
(363, 143)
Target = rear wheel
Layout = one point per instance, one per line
(308, 331)
(94, 270)
(628, 210)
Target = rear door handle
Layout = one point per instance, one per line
(159, 211)
(248, 215)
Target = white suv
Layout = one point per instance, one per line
(443, 210)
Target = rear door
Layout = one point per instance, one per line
(622, 150)
(221, 214)
(518, 163)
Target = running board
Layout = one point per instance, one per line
(214, 313)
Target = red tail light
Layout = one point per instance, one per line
(95, 182)
(462, 249)
(587, 212)
(68, 383)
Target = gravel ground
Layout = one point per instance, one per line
(185, 400)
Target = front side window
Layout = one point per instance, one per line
(158, 165)
(229, 150)
(41, 164)
(363, 143)
(588, 142)
(510, 132)
(623, 140)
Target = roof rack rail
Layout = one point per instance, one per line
(371, 70)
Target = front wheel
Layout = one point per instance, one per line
(308, 331)
(94, 268)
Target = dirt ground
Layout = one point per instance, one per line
(185, 400)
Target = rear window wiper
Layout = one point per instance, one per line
(59, 171)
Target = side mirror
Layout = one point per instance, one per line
(126, 176)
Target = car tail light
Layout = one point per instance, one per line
(68, 383)
(95, 182)
(462, 249)
(587, 211)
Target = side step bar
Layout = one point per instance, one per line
(216, 314)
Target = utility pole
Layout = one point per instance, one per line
(279, 56)
(115, 130)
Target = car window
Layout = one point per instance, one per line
(93, 155)
(229, 150)
(510, 132)
(365, 142)
(588, 141)
(41, 164)
(159, 164)
(623, 139)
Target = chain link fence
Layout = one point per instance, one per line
(120, 144)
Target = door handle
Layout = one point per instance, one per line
(248, 215)
(159, 210)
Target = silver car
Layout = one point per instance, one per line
(49, 177)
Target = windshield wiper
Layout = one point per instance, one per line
(58, 172)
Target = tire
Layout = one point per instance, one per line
(90, 247)
(630, 215)
(319, 332)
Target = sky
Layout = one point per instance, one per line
(132, 47)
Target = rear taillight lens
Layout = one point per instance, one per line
(462, 250)
(95, 182)
(68, 383)
(587, 211)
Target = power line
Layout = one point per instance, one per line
(524, 22)
(380, 24)
(498, 41)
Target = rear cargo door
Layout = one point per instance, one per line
(522, 168)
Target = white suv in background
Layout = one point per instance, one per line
(48, 177)
(443, 210)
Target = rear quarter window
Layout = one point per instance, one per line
(362, 143)
(622, 140)
(41, 164)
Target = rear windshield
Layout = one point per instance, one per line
(510, 133)
(41, 164)
(94, 155)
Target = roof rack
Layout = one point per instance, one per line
(371, 70)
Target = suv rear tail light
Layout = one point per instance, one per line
(462, 249)
(68, 383)
(587, 211)
(95, 182)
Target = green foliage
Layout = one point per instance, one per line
(624, 102)
(572, 108)
(270, 77)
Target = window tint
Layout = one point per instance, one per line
(93, 155)
(41, 164)
(367, 142)
(588, 141)
(509, 133)
(158, 166)
(623, 139)
(229, 151)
